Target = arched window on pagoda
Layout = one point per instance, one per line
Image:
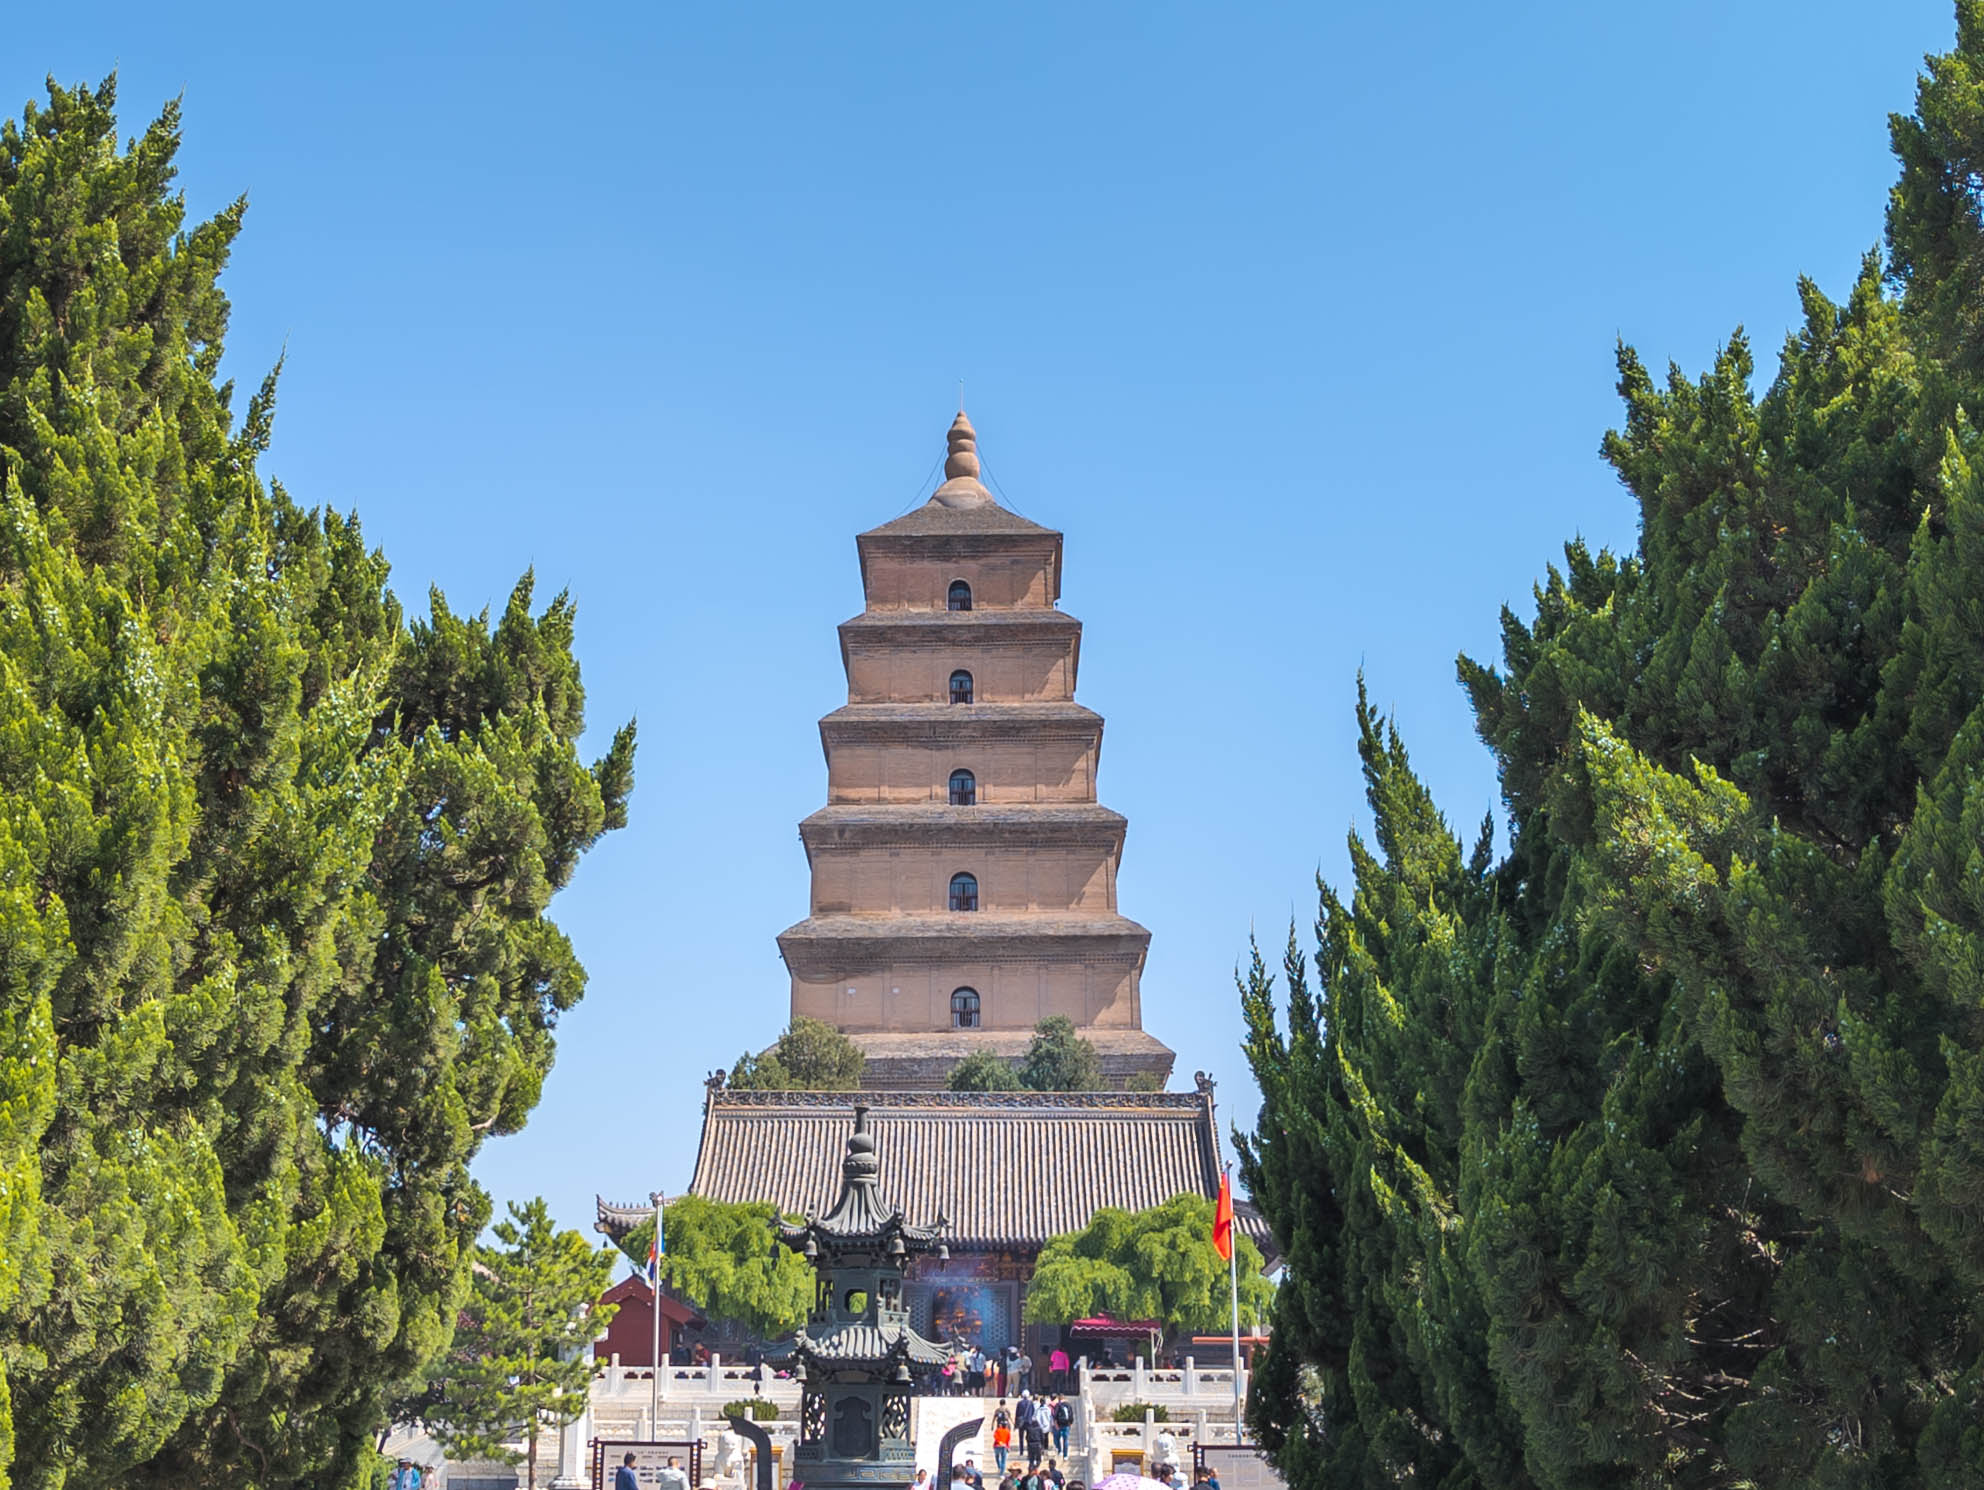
(964, 892)
(964, 1009)
(960, 595)
(960, 687)
(964, 788)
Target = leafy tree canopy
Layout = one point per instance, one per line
(1653, 1153)
(982, 1071)
(811, 1055)
(1059, 1060)
(1156, 1264)
(720, 1257)
(519, 1361)
(274, 867)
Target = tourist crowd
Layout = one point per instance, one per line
(1009, 1372)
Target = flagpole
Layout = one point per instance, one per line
(654, 1309)
(1233, 1276)
(1207, 1087)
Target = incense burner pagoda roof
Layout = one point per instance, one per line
(853, 1344)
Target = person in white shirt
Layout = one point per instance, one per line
(672, 1476)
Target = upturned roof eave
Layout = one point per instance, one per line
(1058, 824)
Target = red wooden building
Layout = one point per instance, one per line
(631, 1334)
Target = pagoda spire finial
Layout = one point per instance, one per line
(961, 487)
(962, 459)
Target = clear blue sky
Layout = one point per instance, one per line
(1297, 320)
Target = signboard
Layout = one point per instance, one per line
(1238, 1466)
(651, 1456)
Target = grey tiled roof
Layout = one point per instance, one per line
(935, 520)
(1009, 1169)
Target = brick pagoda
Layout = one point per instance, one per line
(963, 872)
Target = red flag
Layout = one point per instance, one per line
(1222, 1218)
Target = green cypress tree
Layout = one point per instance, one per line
(276, 959)
(1379, 1063)
(1716, 1165)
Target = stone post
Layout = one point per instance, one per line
(1191, 1377)
(572, 1439)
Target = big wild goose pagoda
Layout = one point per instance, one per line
(964, 889)
(964, 875)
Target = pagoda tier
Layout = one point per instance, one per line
(963, 873)
(1045, 752)
(909, 657)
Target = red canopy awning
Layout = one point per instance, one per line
(1103, 1325)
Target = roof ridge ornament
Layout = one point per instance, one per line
(962, 487)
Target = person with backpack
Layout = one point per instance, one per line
(1033, 1430)
(1062, 1417)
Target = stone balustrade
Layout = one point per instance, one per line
(706, 1386)
(1191, 1386)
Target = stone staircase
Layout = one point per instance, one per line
(932, 1417)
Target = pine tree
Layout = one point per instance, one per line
(275, 868)
(519, 1363)
(1705, 1199)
